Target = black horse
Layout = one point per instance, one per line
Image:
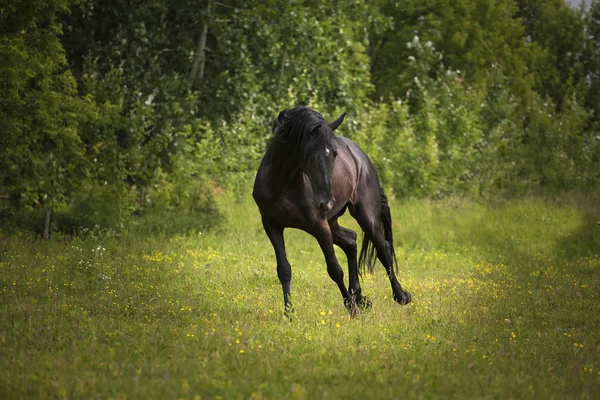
(306, 180)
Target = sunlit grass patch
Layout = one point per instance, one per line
(505, 304)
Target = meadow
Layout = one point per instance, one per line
(506, 304)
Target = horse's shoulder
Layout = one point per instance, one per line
(262, 189)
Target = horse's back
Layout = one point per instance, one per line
(366, 181)
(364, 166)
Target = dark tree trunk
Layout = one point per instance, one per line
(47, 223)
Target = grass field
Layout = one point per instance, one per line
(506, 304)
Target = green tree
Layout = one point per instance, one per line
(556, 35)
(592, 99)
(41, 154)
(472, 37)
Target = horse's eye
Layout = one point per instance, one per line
(326, 152)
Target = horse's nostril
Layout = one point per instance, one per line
(326, 206)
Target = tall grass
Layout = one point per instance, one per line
(505, 304)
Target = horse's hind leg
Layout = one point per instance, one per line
(346, 239)
(384, 254)
(372, 227)
(284, 270)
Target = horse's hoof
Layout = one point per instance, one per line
(404, 298)
(289, 314)
(365, 304)
(357, 305)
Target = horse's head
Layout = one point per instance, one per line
(318, 163)
(304, 143)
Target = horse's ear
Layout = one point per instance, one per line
(337, 122)
(278, 122)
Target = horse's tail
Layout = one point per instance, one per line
(368, 252)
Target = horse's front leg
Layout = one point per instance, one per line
(284, 269)
(346, 239)
(323, 234)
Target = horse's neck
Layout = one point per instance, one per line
(283, 172)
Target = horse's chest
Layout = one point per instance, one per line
(286, 209)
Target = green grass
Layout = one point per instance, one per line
(506, 304)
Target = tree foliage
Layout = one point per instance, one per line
(40, 113)
(119, 108)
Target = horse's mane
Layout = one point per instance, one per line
(297, 133)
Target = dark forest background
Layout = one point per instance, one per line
(116, 112)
